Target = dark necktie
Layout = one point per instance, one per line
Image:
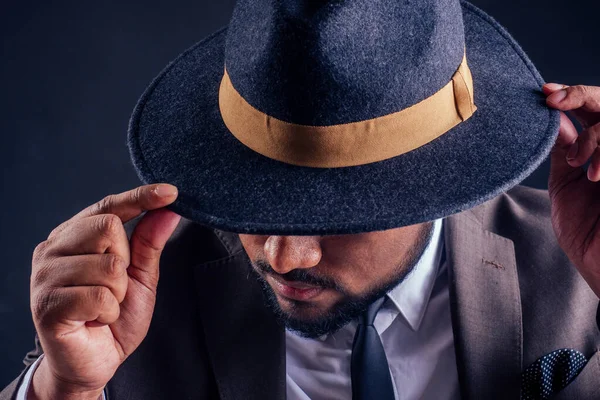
(370, 372)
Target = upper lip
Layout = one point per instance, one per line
(295, 284)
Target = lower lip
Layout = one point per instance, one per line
(295, 293)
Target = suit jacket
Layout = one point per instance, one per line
(514, 298)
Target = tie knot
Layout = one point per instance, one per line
(368, 317)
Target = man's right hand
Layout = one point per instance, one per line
(93, 291)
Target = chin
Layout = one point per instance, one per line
(312, 318)
(301, 310)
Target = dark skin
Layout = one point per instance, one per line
(357, 262)
(575, 192)
(93, 290)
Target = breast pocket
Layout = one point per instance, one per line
(586, 386)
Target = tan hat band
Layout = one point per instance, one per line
(354, 143)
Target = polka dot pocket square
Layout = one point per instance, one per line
(551, 373)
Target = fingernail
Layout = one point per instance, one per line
(572, 152)
(554, 86)
(165, 190)
(557, 96)
(590, 175)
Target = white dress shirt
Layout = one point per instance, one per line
(24, 388)
(416, 332)
(419, 345)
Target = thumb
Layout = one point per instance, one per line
(147, 243)
(559, 166)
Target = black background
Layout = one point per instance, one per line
(71, 72)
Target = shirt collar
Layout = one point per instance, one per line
(412, 295)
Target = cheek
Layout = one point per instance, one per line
(358, 274)
(253, 245)
(362, 282)
(354, 279)
(363, 263)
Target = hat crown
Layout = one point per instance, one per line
(333, 62)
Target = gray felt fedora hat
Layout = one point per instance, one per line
(333, 117)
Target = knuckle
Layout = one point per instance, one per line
(40, 250)
(56, 231)
(581, 90)
(136, 195)
(591, 94)
(108, 225)
(104, 205)
(99, 295)
(114, 266)
(44, 303)
(43, 273)
(47, 273)
(151, 250)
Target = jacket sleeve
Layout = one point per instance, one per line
(10, 392)
(598, 316)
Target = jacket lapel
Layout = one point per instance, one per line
(245, 343)
(485, 307)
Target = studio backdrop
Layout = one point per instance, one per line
(72, 71)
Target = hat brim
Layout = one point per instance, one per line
(176, 135)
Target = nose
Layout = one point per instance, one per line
(286, 253)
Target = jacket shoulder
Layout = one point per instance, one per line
(518, 214)
(522, 215)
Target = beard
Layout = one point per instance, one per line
(345, 310)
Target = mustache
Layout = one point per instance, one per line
(298, 275)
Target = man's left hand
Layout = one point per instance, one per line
(575, 193)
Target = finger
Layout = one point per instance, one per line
(559, 166)
(130, 204)
(567, 133)
(97, 234)
(573, 97)
(108, 270)
(127, 205)
(77, 304)
(147, 242)
(593, 171)
(549, 88)
(583, 101)
(586, 144)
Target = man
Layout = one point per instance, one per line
(362, 153)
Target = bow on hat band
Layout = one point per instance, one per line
(354, 143)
